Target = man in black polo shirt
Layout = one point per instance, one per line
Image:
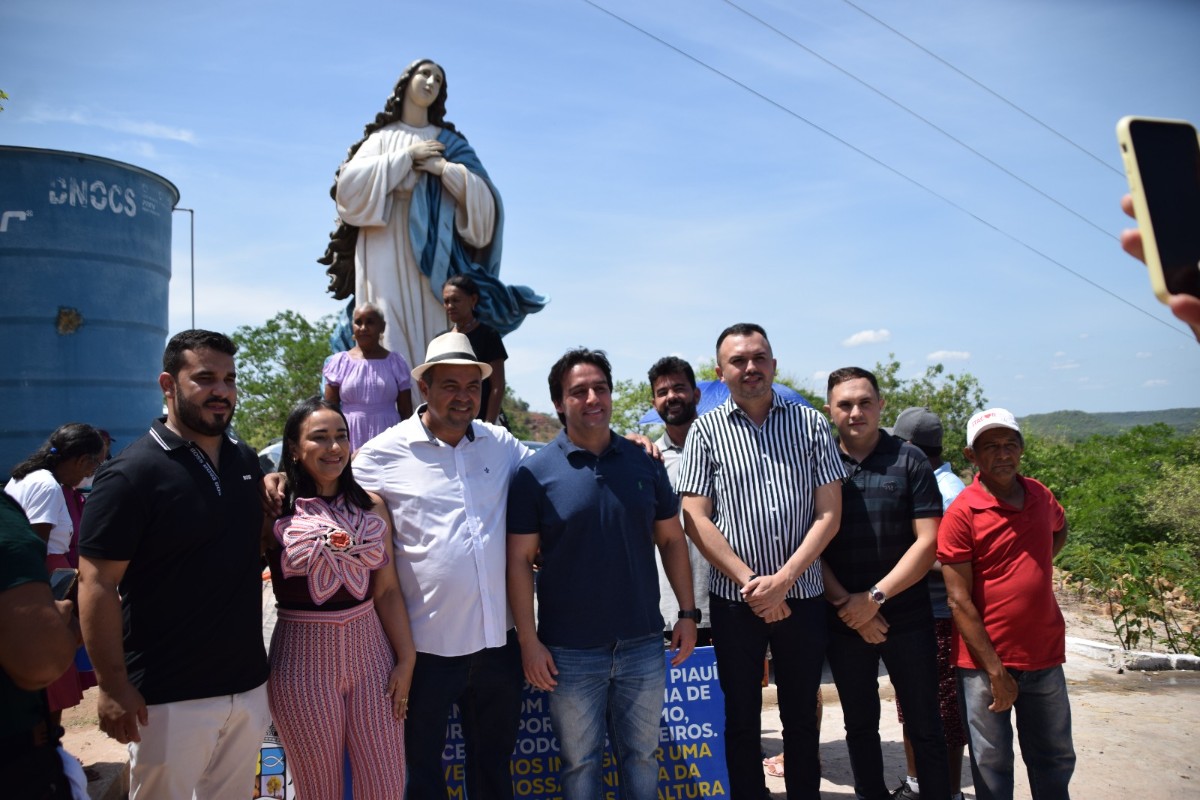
(874, 571)
(170, 589)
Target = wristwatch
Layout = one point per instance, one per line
(695, 615)
(877, 595)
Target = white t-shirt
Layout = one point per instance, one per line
(39, 494)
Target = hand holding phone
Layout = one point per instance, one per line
(1162, 163)
(62, 581)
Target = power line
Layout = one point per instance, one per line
(877, 161)
(928, 122)
(989, 90)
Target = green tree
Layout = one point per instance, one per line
(3, 96)
(1132, 502)
(631, 399)
(279, 364)
(952, 397)
(1103, 482)
(1173, 503)
(516, 411)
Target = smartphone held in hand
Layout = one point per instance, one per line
(62, 581)
(1162, 163)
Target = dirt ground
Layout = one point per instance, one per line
(1136, 733)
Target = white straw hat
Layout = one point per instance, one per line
(452, 348)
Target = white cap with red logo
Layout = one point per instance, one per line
(988, 419)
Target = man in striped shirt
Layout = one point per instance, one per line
(761, 483)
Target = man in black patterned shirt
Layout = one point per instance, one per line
(891, 507)
(761, 487)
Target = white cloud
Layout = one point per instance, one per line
(1144, 354)
(820, 376)
(91, 119)
(1154, 383)
(1060, 354)
(1065, 365)
(948, 355)
(867, 337)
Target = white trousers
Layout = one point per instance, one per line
(204, 749)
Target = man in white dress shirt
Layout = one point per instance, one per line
(444, 476)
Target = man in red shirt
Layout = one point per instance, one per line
(997, 543)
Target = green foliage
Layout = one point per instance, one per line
(952, 397)
(631, 399)
(1076, 426)
(1102, 481)
(516, 411)
(1173, 504)
(1145, 588)
(3, 96)
(279, 364)
(1132, 502)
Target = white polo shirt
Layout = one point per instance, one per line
(448, 509)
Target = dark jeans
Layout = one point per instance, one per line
(1043, 727)
(740, 640)
(911, 661)
(487, 686)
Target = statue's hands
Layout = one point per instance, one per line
(434, 166)
(424, 150)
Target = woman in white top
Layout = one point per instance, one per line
(71, 454)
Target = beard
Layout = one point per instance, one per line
(191, 415)
(678, 414)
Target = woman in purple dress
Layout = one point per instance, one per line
(371, 383)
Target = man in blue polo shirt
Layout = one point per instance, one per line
(592, 506)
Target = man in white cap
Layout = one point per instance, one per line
(444, 476)
(997, 543)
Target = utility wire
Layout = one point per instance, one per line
(928, 122)
(989, 90)
(880, 163)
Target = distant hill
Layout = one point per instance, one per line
(1078, 425)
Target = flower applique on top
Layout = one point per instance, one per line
(334, 543)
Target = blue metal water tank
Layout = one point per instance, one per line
(85, 263)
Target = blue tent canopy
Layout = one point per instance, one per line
(713, 393)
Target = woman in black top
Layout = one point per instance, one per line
(460, 295)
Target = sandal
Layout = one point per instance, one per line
(773, 766)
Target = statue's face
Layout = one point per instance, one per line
(425, 85)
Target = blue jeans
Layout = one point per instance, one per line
(487, 686)
(1043, 726)
(619, 685)
(740, 639)
(911, 660)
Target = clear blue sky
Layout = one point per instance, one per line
(654, 200)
